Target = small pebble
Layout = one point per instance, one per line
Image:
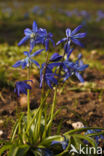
(77, 125)
(1, 132)
(1, 122)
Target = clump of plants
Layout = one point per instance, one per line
(32, 132)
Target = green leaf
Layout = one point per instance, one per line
(2, 141)
(84, 137)
(15, 128)
(47, 141)
(20, 150)
(67, 148)
(81, 129)
(95, 134)
(36, 153)
(59, 127)
(5, 148)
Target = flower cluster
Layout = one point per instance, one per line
(58, 66)
(32, 132)
(98, 138)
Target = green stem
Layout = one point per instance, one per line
(38, 110)
(48, 126)
(53, 104)
(28, 96)
(43, 85)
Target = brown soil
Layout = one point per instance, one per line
(81, 103)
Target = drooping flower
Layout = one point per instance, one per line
(72, 36)
(67, 50)
(49, 75)
(63, 143)
(21, 87)
(70, 68)
(97, 138)
(55, 57)
(32, 35)
(28, 60)
(45, 37)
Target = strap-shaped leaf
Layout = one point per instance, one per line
(95, 134)
(47, 141)
(84, 137)
(14, 131)
(5, 148)
(20, 150)
(80, 130)
(67, 148)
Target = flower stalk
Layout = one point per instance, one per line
(28, 95)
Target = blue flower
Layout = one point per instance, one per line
(97, 138)
(55, 57)
(72, 36)
(64, 143)
(49, 76)
(45, 37)
(26, 62)
(30, 34)
(67, 50)
(21, 87)
(71, 68)
(100, 15)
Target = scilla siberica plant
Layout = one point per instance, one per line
(32, 133)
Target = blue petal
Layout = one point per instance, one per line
(50, 35)
(81, 63)
(79, 56)
(21, 87)
(80, 35)
(23, 64)
(27, 60)
(36, 53)
(69, 53)
(55, 57)
(27, 32)
(69, 41)
(55, 142)
(32, 44)
(35, 62)
(66, 47)
(52, 42)
(47, 44)
(49, 83)
(27, 86)
(68, 32)
(23, 40)
(26, 53)
(76, 30)
(17, 64)
(79, 77)
(35, 28)
(52, 65)
(69, 64)
(67, 75)
(81, 68)
(51, 78)
(41, 81)
(42, 32)
(65, 68)
(18, 91)
(64, 145)
(64, 39)
(77, 42)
